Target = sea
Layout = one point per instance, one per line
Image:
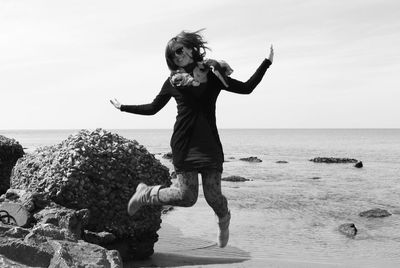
(293, 210)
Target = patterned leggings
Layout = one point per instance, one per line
(185, 193)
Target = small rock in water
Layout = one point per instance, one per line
(375, 213)
(334, 160)
(281, 162)
(348, 229)
(315, 178)
(234, 178)
(251, 159)
(359, 164)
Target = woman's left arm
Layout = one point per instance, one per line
(248, 86)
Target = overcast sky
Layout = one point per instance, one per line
(337, 63)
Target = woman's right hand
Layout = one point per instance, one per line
(116, 104)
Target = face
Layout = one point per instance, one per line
(182, 56)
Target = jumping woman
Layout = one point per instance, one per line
(195, 83)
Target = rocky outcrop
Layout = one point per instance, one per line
(79, 189)
(348, 229)
(333, 160)
(251, 159)
(375, 213)
(234, 178)
(10, 152)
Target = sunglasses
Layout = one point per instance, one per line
(178, 51)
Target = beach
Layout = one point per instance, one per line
(288, 213)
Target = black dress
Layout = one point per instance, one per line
(195, 142)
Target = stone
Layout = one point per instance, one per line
(281, 162)
(359, 164)
(315, 178)
(14, 213)
(333, 160)
(83, 254)
(251, 159)
(348, 229)
(375, 213)
(101, 238)
(96, 171)
(19, 251)
(234, 179)
(10, 152)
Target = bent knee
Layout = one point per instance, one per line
(188, 198)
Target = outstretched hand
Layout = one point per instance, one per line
(271, 54)
(116, 104)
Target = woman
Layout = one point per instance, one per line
(195, 83)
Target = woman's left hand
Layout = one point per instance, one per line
(271, 54)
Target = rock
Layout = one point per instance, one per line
(359, 164)
(251, 159)
(19, 251)
(281, 162)
(10, 152)
(375, 213)
(83, 254)
(14, 213)
(97, 172)
(315, 178)
(173, 175)
(167, 156)
(234, 179)
(334, 160)
(101, 238)
(348, 229)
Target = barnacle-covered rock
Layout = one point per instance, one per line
(98, 171)
(10, 151)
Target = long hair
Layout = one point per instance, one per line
(191, 40)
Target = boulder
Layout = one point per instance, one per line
(234, 178)
(375, 213)
(348, 229)
(333, 160)
(85, 183)
(281, 162)
(359, 164)
(251, 159)
(10, 152)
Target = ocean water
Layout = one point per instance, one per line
(282, 212)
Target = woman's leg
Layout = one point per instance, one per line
(212, 192)
(184, 194)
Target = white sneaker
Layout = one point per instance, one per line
(144, 195)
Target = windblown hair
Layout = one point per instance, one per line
(192, 40)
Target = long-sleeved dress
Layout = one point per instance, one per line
(195, 142)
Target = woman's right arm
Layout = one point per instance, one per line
(151, 108)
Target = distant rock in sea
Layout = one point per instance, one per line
(359, 164)
(333, 160)
(251, 159)
(281, 162)
(315, 178)
(375, 213)
(348, 229)
(234, 178)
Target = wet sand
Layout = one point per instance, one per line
(179, 248)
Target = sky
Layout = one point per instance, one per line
(336, 64)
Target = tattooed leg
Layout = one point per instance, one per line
(212, 192)
(184, 193)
